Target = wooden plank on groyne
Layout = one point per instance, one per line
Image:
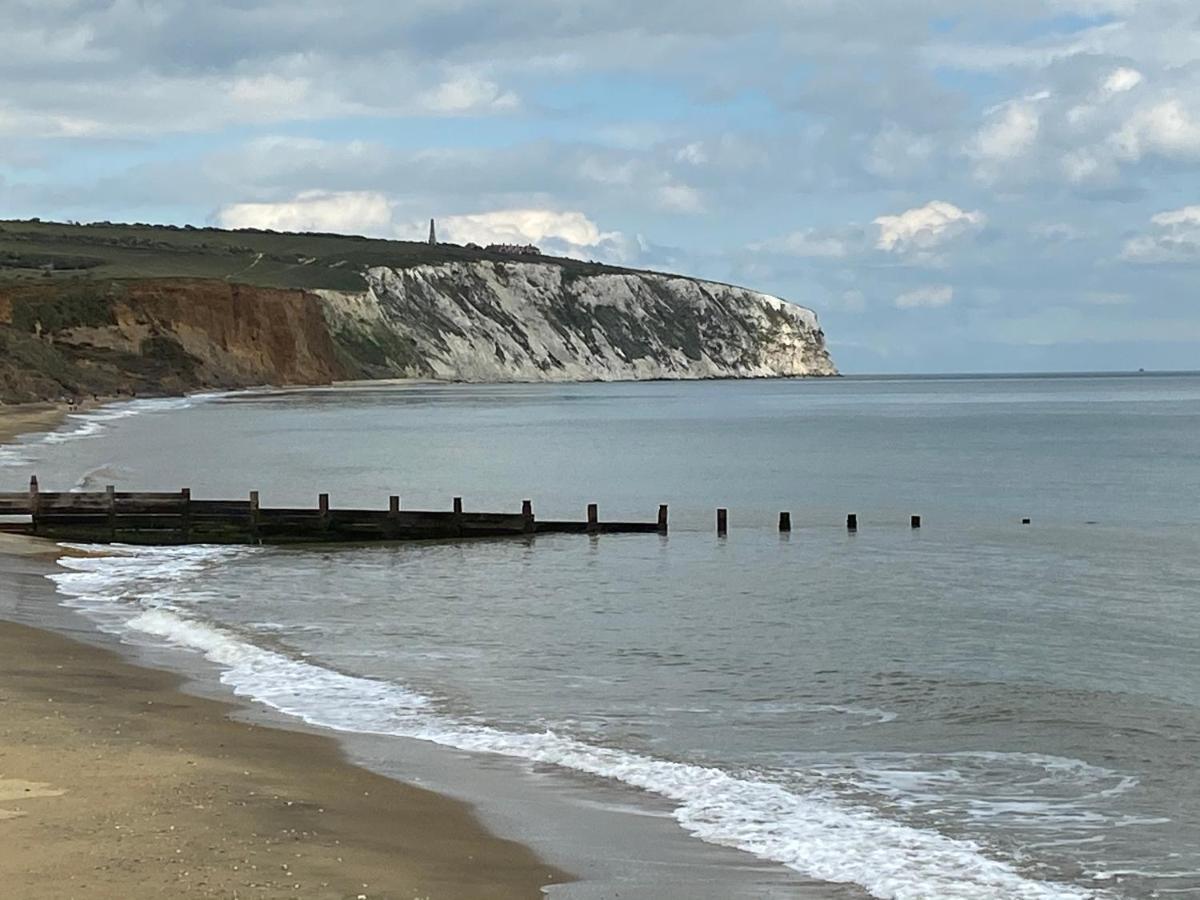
(134, 517)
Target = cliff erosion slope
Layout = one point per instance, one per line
(513, 321)
(476, 320)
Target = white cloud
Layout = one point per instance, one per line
(924, 229)
(811, 243)
(519, 226)
(1010, 132)
(1168, 128)
(348, 212)
(1174, 236)
(680, 198)
(930, 297)
(468, 94)
(693, 154)
(896, 153)
(1121, 80)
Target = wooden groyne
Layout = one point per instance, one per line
(113, 516)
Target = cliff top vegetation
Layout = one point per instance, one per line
(37, 251)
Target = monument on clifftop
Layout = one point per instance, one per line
(432, 234)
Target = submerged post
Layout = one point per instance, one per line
(722, 521)
(662, 518)
(852, 522)
(915, 521)
(34, 503)
(393, 505)
(785, 522)
(458, 516)
(527, 516)
(593, 518)
(110, 507)
(323, 510)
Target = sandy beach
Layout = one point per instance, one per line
(116, 784)
(31, 417)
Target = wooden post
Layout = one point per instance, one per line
(393, 524)
(785, 521)
(458, 516)
(185, 528)
(915, 521)
(254, 516)
(852, 522)
(34, 501)
(527, 515)
(722, 521)
(110, 505)
(662, 519)
(593, 519)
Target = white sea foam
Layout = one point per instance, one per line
(131, 593)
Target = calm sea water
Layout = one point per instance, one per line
(978, 709)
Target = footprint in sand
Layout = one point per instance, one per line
(13, 789)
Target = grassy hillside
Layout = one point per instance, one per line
(34, 251)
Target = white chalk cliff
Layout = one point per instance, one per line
(528, 321)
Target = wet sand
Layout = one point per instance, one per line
(29, 417)
(114, 784)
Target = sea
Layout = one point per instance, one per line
(1003, 703)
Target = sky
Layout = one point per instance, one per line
(953, 186)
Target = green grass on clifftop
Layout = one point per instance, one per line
(35, 251)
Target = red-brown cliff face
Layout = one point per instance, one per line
(158, 336)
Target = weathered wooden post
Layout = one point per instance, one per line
(915, 521)
(852, 522)
(34, 502)
(185, 522)
(323, 510)
(662, 518)
(785, 522)
(254, 516)
(722, 521)
(458, 528)
(593, 519)
(393, 520)
(529, 525)
(110, 509)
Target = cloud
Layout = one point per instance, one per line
(1009, 133)
(1174, 236)
(930, 297)
(468, 93)
(680, 198)
(519, 226)
(811, 243)
(349, 212)
(1170, 129)
(925, 229)
(1122, 79)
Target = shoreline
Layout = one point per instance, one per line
(116, 783)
